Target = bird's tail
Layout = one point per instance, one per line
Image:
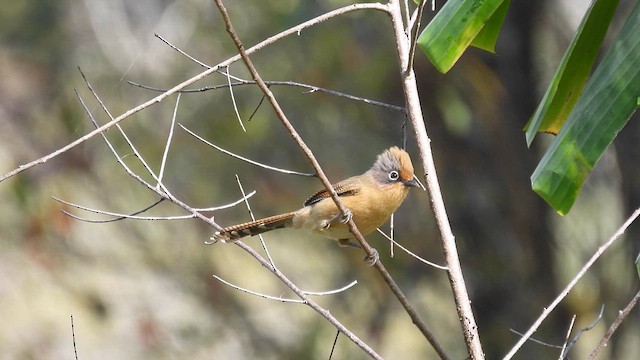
(252, 228)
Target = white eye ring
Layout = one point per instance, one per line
(393, 175)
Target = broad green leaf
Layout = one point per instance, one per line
(488, 36)
(572, 74)
(453, 29)
(607, 103)
(638, 265)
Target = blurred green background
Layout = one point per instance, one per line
(141, 290)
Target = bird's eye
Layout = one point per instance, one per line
(393, 175)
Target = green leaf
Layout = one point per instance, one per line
(572, 74)
(453, 29)
(608, 101)
(488, 36)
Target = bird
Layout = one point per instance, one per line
(370, 199)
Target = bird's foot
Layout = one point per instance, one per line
(373, 259)
(345, 218)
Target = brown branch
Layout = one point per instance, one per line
(612, 329)
(414, 112)
(371, 253)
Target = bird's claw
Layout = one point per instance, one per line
(373, 259)
(345, 218)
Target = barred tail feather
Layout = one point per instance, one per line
(254, 227)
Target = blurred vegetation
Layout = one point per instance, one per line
(144, 289)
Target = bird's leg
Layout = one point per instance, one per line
(325, 224)
(369, 260)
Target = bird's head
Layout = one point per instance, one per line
(394, 167)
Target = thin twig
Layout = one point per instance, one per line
(566, 338)
(333, 347)
(565, 352)
(311, 89)
(572, 283)
(73, 336)
(166, 148)
(118, 216)
(252, 162)
(233, 100)
(534, 340)
(622, 315)
(332, 292)
(391, 234)
(182, 52)
(414, 31)
(202, 75)
(276, 298)
(253, 218)
(133, 216)
(441, 267)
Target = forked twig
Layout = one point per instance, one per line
(567, 346)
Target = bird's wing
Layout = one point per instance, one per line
(346, 187)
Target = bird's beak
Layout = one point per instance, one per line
(412, 183)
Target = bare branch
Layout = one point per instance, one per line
(233, 100)
(281, 299)
(166, 148)
(215, 208)
(534, 340)
(252, 162)
(331, 292)
(573, 282)
(441, 267)
(566, 339)
(119, 216)
(311, 89)
(182, 52)
(413, 31)
(622, 315)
